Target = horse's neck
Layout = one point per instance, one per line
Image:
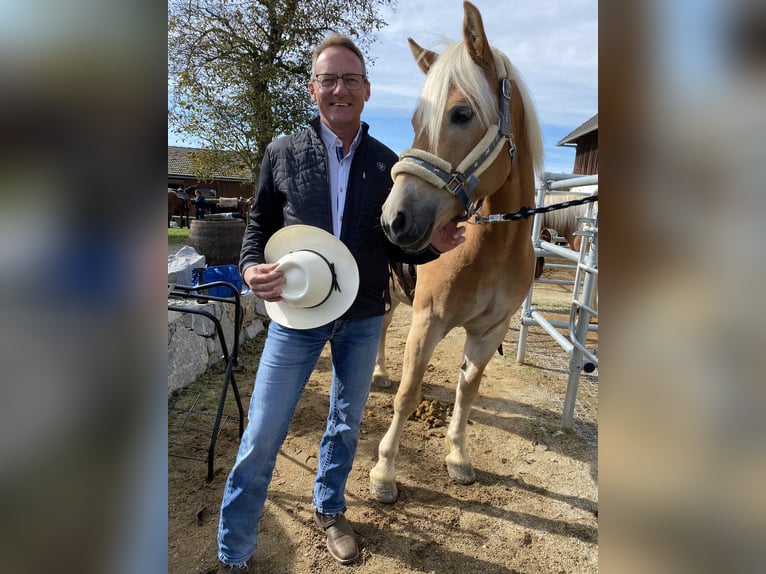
(518, 190)
(512, 196)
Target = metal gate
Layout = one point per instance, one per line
(571, 335)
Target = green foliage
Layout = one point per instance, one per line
(238, 70)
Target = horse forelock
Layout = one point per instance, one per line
(454, 68)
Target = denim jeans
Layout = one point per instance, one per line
(288, 359)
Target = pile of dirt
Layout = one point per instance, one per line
(432, 413)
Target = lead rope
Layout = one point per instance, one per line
(526, 212)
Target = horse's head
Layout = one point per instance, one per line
(464, 147)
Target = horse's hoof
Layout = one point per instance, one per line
(385, 492)
(381, 381)
(461, 474)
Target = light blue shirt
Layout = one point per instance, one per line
(339, 169)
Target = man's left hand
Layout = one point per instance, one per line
(448, 236)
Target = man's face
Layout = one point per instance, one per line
(339, 107)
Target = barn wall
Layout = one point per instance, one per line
(586, 156)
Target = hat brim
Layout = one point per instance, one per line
(299, 237)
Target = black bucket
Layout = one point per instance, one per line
(219, 240)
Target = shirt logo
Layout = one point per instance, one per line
(381, 166)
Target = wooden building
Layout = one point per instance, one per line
(585, 139)
(181, 174)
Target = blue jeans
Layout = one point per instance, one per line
(288, 359)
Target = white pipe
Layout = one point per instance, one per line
(541, 321)
(555, 281)
(525, 310)
(574, 182)
(563, 252)
(551, 257)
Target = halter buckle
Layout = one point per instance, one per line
(455, 184)
(486, 219)
(507, 89)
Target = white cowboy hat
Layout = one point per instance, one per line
(322, 276)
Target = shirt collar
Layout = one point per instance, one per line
(331, 141)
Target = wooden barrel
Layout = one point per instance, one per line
(219, 240)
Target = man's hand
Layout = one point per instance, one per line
(264, 281)
(448, 236)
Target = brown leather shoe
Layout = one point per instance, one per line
(341, 541)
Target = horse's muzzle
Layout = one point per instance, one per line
(403, 232)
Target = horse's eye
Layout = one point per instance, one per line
(461, 115)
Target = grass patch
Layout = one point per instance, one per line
(178, 233)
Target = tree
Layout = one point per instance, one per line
(238, 69)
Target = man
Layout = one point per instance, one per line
(199, 205)
(293, 189)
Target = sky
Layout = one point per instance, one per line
(553, 43)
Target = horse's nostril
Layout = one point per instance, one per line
(399, 223)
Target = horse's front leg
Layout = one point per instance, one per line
(417, 353)
(477, 352)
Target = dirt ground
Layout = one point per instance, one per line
(532, 509)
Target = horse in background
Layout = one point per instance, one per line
(178, 204)
(476, 151)
(243, 207)
(562, 222)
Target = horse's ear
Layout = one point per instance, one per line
(424, 58)
(475, 37)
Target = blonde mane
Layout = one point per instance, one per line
(455, 68)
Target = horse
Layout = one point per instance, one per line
(476, 152)
(178, 202)
(243, 206)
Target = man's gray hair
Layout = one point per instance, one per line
(336, 39)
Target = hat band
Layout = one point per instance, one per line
(333, 285)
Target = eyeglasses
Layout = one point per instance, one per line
(351, 81)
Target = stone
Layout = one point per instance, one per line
(187, 356)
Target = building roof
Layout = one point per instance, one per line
(589, 126)
(180, 164)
